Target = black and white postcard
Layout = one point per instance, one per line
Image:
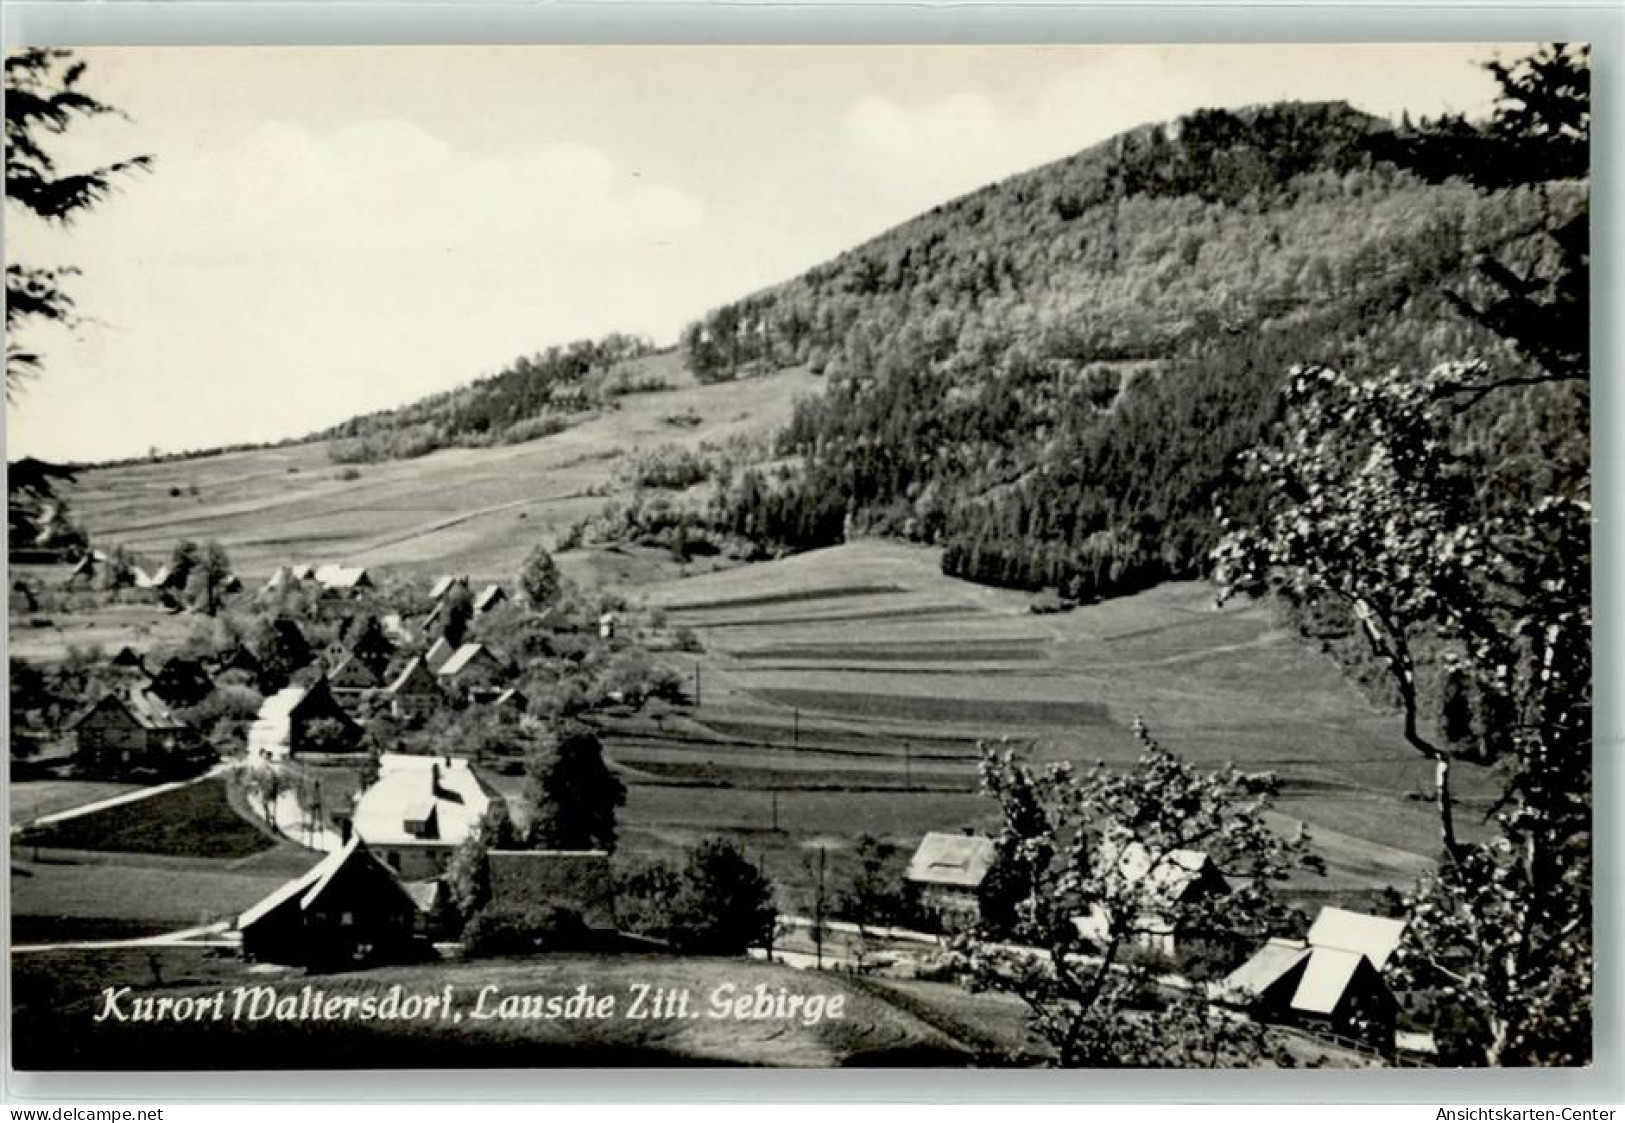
(799, 557)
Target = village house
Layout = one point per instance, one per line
(349, 908)
(303, 721)
(420, 810)
(949, 870)
(135, 732)
(1166, 887)
(1332, 980)
(414, 693)
(476, 671)
(182, 682)
(578, 881)
(342, 580)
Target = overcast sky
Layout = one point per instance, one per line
(333, 230)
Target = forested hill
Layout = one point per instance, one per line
(1052, 375)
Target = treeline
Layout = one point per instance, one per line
(533, 397)
(1051, 377)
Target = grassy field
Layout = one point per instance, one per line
(174, 860)
(862, 668)
(34, 798)
(56, 995)
(193, 820)
(461, 510)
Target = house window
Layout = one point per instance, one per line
(346, 919)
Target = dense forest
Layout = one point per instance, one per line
(1052, 376)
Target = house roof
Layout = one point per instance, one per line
(409, 787)
(1169, 877)
(1267, 966)
(128, 657)
(1326, 978)
(342, 576)
(958, 860)
(511, 697)
(148, 710)
(438, 653)
(309, 886)
(578, 880)
(415, 679)
(464, 657)
(1339, 941)
(487, 597)
(354, 671)
(1375, 937)
(444, 584)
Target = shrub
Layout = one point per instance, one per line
(496, 931)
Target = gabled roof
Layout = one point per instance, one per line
(145, 708)
(415, 679)
(308, 887)
(342, 576)
(511, 697)
(957, 860)
(1268, 965)
(1169, 877)
(465, 657)
(1375, 937)
(444, 584)
(410, 788)
(128, 657)
(356, 673)
(489, 596)
(438, 653)
(1340, 946)
(1325, 979)
(578, 880)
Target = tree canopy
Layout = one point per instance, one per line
(44, 99)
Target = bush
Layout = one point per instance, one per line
(525, 931)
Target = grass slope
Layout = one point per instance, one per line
(471, 510)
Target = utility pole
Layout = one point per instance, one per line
(696, 684)
(908, 768)
(775, 794)
(795, 728)
(818, 910)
